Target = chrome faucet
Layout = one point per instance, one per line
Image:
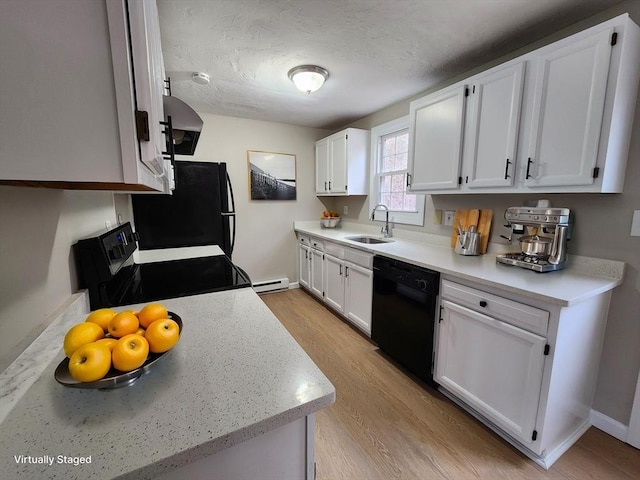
(386, 231)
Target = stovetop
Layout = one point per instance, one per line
(107, 269)
(537, 264)
(179, 278)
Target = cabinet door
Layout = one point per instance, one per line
(358, 295)
(494, 367)
(304, 263)
(568, 110)
(435, 133)
(334, 282)
(316, 275)
(149, 79)
(322, 165)
(338, 162)
(493, 122)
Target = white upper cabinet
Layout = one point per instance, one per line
(570, 89)
(73, 75)
(322, 166)
(558, 119)
(492, 127)
(341, 163)
(435, 139)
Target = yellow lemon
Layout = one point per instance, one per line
(101, 317)
(123, 324)
(162, 335)
(152, 312)
(110, 342)
(130, 352)
(81, 334)
(90, 362)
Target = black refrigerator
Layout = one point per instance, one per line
(200, 212)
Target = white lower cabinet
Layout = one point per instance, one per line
(316, 274)
(304, 260)
(358, 296)
(524, 367)
(334, 282)
(286, 452)
(494, 366)
(341, 276)
(348, 289)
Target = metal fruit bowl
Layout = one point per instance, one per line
(114, 378)
(329, 222)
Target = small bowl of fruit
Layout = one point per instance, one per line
(112, 350)
(329, 219)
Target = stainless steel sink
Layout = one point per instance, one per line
(370, 240)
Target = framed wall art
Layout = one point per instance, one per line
(272, 176)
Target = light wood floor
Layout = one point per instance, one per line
(384, 425)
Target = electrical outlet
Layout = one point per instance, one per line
(437, 217)
(448, 217)
(345, 210)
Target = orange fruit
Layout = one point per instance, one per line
(162, 335)
(109, 342)
(130, 352)
(140, 331)
(90, 362)
(123, 324)
(81, 334)
(101, 317)
(152, 312)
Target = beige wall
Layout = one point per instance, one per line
(602, 228)
(37, 229)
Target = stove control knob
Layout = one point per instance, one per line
(422, 284)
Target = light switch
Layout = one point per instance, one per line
(635, 224)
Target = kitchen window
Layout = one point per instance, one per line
(390, 151)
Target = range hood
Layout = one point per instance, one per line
(186, 124)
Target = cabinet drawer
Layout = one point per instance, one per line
(334, 249)
(317, 244)
(363, 259)
(304, 239)
(523, 316)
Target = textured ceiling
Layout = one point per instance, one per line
(377, 52)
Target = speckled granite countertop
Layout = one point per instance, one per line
(236, 373)
(583, 277)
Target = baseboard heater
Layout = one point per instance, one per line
(271, 285)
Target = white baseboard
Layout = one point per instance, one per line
(609, 425)
(293, 285)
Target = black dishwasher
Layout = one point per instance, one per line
(404, 313)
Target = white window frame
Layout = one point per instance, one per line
(395, 216)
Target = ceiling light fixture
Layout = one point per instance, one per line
(308, 78)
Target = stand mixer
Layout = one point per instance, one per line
(552, 225)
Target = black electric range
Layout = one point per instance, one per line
(106, 268)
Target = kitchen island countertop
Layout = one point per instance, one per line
(236, 373)
(583, 277)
